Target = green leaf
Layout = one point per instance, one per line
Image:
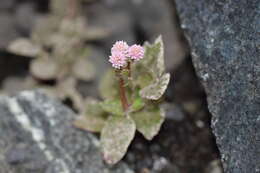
(160, 66)
(155, 90)
(44, 30)
(148, 122)
(137, 104)
(44, 68)
(116, 136)
(108, 87)
(24, 47)
(112, 106)
(93, 119)
(90, 123)
(95, 33)
(144, 79)
(58, 7)
(154, 57)
(75, 27)
(83, 69)
(149, 73)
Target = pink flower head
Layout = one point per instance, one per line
(118, 59)
(135, 52)
(120, 46)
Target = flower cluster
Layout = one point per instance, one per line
(121, 53)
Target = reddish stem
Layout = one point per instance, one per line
(122, 93)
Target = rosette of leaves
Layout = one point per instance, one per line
(59, 49)
(57, 46)
(147, 82)
(58, 43)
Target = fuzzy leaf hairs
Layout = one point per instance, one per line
(132, 95)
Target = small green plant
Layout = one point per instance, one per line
(58, 46)
(58, 43)
(132, 97)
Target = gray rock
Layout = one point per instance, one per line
(7, 29)
(37, 136)
(6, 5)
(25, 17)
(224, 38)
(16, 20)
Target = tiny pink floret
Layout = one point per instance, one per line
(120, 46)
(121, 53)
(135, 52)
(118, 59)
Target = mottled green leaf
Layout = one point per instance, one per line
(143, 80)
(116, 136)
(154, 57)
(137, 104)
(83, 69)
(59, 7)
(148, 122)
(44, 68)
(95, 33)
(90, 123)
(108, 87)
(74, 27)
(93, 119)
(160, 67)
(24, 47)
(44, 30)
(155, 90)
(60, 44)
(112, 106)
(148, 74)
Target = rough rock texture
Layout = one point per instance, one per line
(224, 38)
(37, 136)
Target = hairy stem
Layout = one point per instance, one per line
(122, 93)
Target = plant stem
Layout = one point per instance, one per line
(122, 93)
(129, 68)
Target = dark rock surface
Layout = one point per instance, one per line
(7, 29)
(25, 18)
(6, 5)
(224, 39)
(37, 136)
(16, 20)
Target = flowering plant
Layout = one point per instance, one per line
(132, 94)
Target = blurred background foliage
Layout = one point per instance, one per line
(63, 48)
